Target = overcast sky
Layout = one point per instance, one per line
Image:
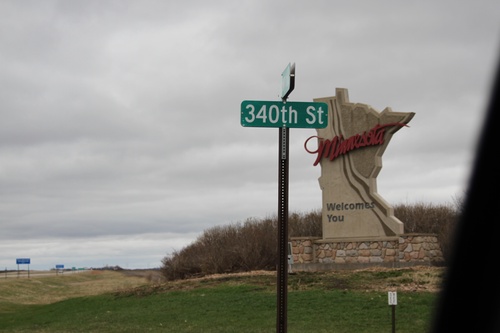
(120, 134)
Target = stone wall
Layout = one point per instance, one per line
(399, 251)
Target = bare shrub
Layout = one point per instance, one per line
(431, 219)
(305, 224)
(459, 203)
(223, 249)
(256, 245)
(184, 263)
(252, 244)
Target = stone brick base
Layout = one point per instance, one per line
(398, 251)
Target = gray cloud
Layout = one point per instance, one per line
(120, 121)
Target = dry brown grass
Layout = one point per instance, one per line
(43, 289)
(415, 279)
(50, 289)
(418, 278)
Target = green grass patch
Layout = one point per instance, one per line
(317, 302)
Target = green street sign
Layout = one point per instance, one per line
(284, 114)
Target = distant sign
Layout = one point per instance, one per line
(20, 261)
(59, 266)
(284, 114)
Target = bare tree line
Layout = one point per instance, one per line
(252, 244)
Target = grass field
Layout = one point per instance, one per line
(137, 301)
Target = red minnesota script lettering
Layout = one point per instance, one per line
(339, 146)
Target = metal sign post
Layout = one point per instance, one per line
(288, 84)
(282, 271)
(393, 301)
(284, 116)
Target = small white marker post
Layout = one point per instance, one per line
(393, 301)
